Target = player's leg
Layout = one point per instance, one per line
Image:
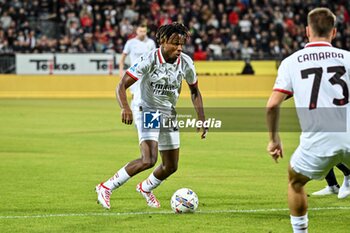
(344, 169)
(332, 185)
(148, 140)
(169, 147)
(170, 160)
(304, 166)
(168, 166)
(297, 201)
(149, 154)
(169, 144)
(344, 190)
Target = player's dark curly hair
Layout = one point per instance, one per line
(165, 31)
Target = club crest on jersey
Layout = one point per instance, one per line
(180, 77)
(151, 120)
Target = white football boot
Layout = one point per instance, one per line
(344, 190)
(103, 195)
(328, 190)
(149, 196)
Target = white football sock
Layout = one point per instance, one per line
(299, 223)
(118, 179)
(150, 183)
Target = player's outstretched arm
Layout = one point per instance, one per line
(274, 148)
(198, 106)
(121, 64)
(124, 84)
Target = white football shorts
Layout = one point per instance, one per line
(166, 140)
(316, 167)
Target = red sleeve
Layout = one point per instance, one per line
(131, 75)
(193, 84)
(283, 91)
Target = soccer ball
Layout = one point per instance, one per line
(184, 201)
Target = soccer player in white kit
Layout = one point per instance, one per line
(160, 73)
(318, 77)
(134, 48)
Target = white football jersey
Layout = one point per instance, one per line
(135, 48)
(318, 77)
(160, 82)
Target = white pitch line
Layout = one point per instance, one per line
(168, 212)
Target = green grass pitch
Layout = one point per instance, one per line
(54, 151)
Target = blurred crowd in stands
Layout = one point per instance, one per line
(220, 29)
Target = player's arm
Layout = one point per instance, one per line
(124, 84)
(121, 64)
(198, 105)
(274, 147)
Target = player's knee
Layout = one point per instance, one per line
(296, 180)
(296, 186)
(149, 159)
(148, 163)
(153, 158)
(296, 183)
(170, 169)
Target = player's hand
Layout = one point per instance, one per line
(127, 116)
(205, 132)
(275, 149)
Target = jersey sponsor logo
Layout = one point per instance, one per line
(163, 89)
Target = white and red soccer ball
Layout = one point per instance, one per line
(184, 201)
